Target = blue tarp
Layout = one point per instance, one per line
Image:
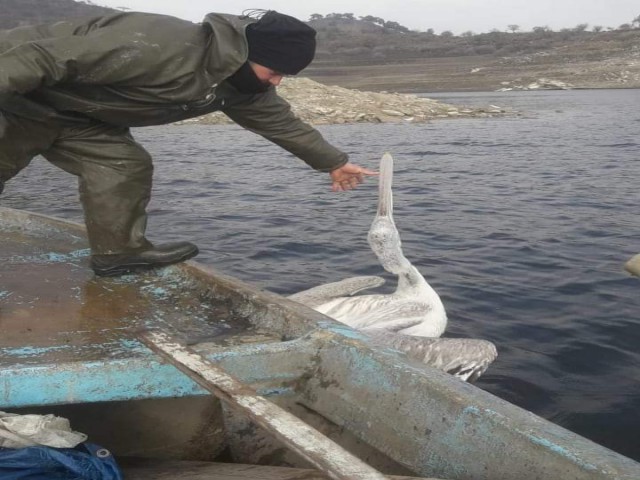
(85, 462)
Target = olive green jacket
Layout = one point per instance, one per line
(138, 69)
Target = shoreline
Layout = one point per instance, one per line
(568, 65)
(319, 104)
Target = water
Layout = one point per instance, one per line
(521, 224)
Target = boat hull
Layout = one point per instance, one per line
(69, 343)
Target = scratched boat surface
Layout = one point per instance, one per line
(68, 346)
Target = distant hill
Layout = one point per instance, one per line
(32, 12)
(372, 53)
(343, 37)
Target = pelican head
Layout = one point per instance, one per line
(383, 237)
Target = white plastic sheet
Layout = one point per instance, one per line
(19, 431)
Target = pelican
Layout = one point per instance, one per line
(412, 317)
(633, 265)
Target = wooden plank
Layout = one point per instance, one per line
(321, 452)
(178, 470)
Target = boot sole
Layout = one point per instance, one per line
(123, 269)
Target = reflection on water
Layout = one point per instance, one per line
(521, 224)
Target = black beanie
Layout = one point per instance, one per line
(282, 43)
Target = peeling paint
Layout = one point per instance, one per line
(158, 292)
(50, 257)
(562, 451)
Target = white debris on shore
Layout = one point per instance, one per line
(540, 84)
(320, 104)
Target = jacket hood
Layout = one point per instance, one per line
(228, 48)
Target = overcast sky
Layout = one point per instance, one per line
(455, 15)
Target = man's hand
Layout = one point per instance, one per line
(348, 176)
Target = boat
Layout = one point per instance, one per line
(133, 361)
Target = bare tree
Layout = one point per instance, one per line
(581, 27)
(447, 34)
(513, 28)
(597, 28)
(396, 26)
(316, 16)
(542, 31)
(372, 19)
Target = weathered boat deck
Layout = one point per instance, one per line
(52, 302)
(57, 318)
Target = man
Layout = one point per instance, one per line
(70, 91)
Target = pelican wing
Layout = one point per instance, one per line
(390, 314)
(464, 358)
(316, 296)
(394, 325)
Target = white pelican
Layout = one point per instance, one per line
(633, 265)
(403, 318)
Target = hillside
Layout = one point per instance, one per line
(32, 12)
(371, 53)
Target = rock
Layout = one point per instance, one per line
(320, 104)
(393, 113)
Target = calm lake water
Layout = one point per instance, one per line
(522, 224)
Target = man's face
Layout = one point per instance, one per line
(266, 75)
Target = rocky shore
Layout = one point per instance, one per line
(320, 104)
